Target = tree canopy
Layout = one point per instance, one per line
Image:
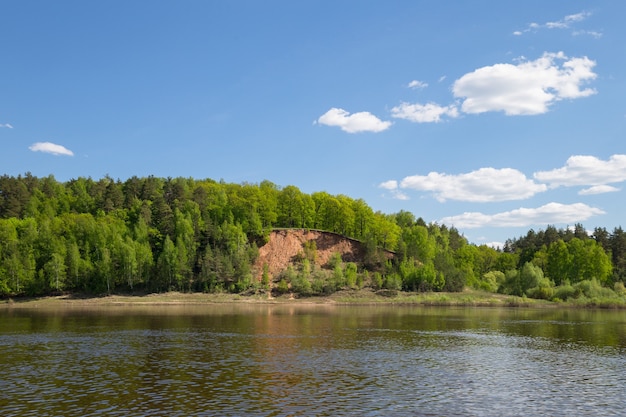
(160, 234)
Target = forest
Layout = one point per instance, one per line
(161, 234)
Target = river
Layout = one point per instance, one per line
(299, 360)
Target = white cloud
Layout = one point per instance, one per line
(524, 88)
(353, 123)
(392, 186)
(586, 170)
(7, 125)
(598, 189)
(49, 147)
(572, 18)
(564, 23)
(389, 185)
(578, 17)
(494, 185)
(552, 213)
(592, 33)
(399, 195)
(527, 88)
(415, 84)
(423, 113)
(483, 185)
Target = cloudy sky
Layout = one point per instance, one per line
(493, 117)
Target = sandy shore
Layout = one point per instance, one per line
(363, 297)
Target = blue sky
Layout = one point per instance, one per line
(493, 117)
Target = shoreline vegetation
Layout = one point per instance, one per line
(165, 235)
(364, 297)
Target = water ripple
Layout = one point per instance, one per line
(285, 366)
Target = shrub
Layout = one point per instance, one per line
(491, 280)
(300, 284)
(265, 278)
(541, 292)
(310, 251)
(282, 287)
(592, 289)
(321, 285)
(511, 284)
(362, 278)
(338, 277)
(335, 260)
(377, 281)
(350, 273)
(454, 281)
(393, 282)
(564, 292)
(317, 286)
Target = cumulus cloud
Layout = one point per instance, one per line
(552, 213)
(353, 123)
(494, 185)
(415, 84)
(423, 113)
(524, 88)
(49, 147)
(7, 125)
(583, 170)
(529, 87)
(481, 186)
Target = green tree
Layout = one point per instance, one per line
(350, 273)
(73, 262)
(300, 282)
(559, 262)
(618, 253)
(588, 261)
(491, 281)
(290, 207)
(55, 271)
(520, 282)
(363, 216)
(418, 243)
(506, 261)
(339, 279)
(530, 276)
(168, 265)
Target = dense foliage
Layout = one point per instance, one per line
(157, 234)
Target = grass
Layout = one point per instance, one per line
(347, 297)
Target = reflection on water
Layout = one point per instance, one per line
(316, 360)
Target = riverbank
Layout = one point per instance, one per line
(349, 297)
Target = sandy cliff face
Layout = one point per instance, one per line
(285, 246)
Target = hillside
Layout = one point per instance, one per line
(180, 234)
(286, 246)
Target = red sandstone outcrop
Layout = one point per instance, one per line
(285, 247)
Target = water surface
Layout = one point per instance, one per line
(264, 360)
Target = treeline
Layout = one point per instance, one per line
(161, 234)
(552, 264)
(157, 234)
